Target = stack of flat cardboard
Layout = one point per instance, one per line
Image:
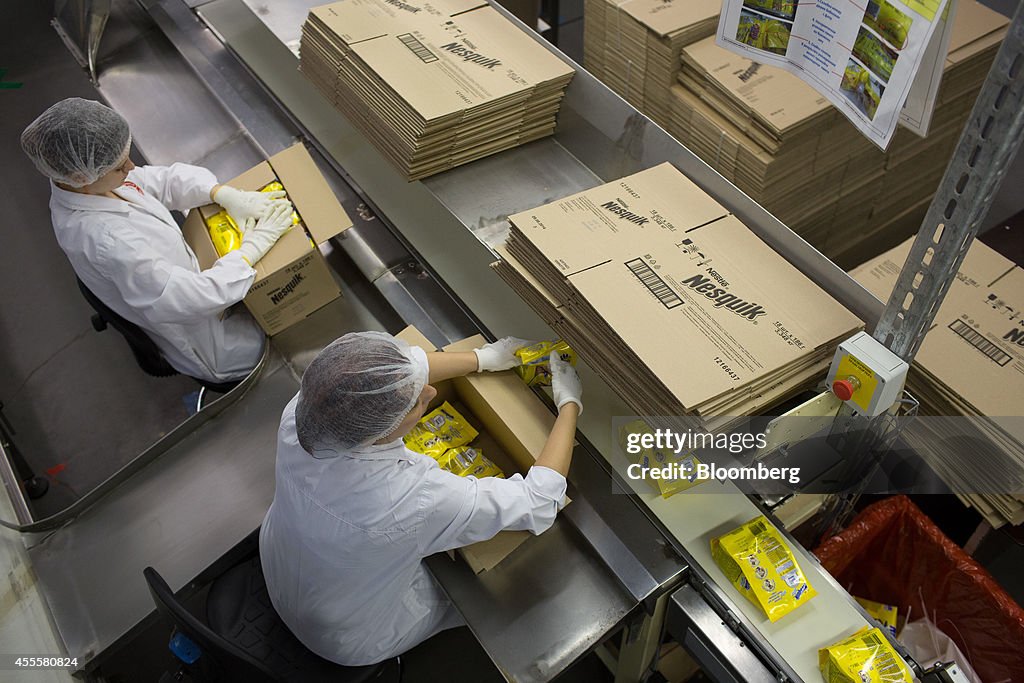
(634, 45)
(779, 141)
(970, 364)
(681, 308)
(433, 84)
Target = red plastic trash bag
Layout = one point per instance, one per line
(892, 553)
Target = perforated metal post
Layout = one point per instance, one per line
(988, 144)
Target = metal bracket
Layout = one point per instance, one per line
(987, 146)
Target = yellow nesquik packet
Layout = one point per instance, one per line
(758, 562)
(535, 369)
(466, 461)
(864, 657)
(439, 430)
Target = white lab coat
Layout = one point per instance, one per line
(132, 256)
(343, 542)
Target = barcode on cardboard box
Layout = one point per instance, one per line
(978, 341)
(417, 48)
(652, 281)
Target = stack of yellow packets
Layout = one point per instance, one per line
(444, 435)
(864, 657)
(758, 562)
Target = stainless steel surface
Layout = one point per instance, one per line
(531, 176)
(720, 652)
(988, 144)
(12, 485)
(80, 23)
(210, 410)
(185, 509)
(531, 622)
(171, 124)
(266, 127)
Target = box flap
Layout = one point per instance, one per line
(293, 245)
(197, 237)
(256, 177)
(411, 335)
(313, 198)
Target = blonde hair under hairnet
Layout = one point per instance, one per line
(356, 391)
(76, 142)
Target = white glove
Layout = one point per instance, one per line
(242, 205)
(500, 355)
(261, 235)
(565, 383)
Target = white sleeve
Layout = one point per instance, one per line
(464, 510)
(165, 292)
(178, 186)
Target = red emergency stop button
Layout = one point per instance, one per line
(844, 388)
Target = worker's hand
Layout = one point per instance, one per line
(565, 383)
(500, 355)
(242, 205)
(260, 235)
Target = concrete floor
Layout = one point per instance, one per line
(79, 404)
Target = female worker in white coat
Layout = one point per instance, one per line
(355, 512)
(113, 220)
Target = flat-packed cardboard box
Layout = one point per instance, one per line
(293, 279)
(514, 426)
(664, 276)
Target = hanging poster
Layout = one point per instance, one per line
(862, 55)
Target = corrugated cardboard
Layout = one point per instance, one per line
(433, 84)
(514, 426)
(292, 279)
(970, 363)
(776, 139)
(682, 309)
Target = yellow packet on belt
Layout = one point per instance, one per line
(535, 369)
(758, 562)
(439, 430)
(224, 233)
(885, 614)
(466, 461)
(864, 657)
(656, 457)
(276, 186)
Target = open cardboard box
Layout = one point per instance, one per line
(293, 279)
(513, 424)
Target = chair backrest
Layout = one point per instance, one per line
(146, 352)
(224, 661)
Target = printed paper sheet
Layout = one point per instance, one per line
(863, 55)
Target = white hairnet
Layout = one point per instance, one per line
(76, 142)
(356, 391)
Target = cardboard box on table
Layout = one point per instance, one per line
(293, 279)
(513, 424)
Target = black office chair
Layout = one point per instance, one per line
(147, 353)
(246, 641)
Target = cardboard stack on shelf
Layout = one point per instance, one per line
(681, 308)
(780, 142)
(633, 46)
(970, 364)
(433, 84)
